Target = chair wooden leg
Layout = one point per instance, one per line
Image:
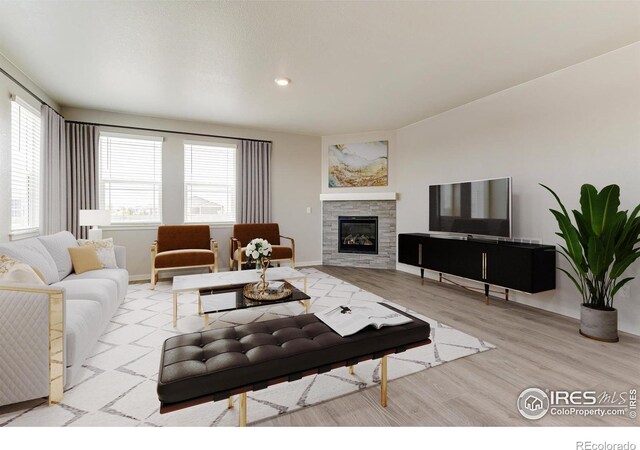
(230, 403)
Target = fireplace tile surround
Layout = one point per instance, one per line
(385, 210)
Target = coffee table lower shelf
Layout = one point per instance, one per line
(213, 301)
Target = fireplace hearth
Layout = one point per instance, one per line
(358, 234)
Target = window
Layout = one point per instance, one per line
(209, 183)
(25, 167)
(131, 178)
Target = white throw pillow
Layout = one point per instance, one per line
(104, 248)
(33, 253)
(13, 271)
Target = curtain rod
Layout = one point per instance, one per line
(29, 91)
(158, 130)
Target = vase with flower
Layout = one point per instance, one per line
(258, 251)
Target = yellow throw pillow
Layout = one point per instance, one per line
(84, 259)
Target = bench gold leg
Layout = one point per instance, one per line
(243, 409)
(383, 382)
(230, 404)
(351, 371)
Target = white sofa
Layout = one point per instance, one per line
(47, 332)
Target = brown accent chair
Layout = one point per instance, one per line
(246, 232)
(182, 247)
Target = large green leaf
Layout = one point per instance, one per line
(599, 209)
(619, 284)
(564, 210)
(621, 265)
(570, 236)
(583, 229)
(572, 278)
(595, 256)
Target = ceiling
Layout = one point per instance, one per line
(355, 66)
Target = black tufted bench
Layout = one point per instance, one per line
(217, 364)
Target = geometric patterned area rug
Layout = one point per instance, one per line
(118, 384)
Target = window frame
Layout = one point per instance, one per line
(229, 145)
(131, 225)
(34, 229)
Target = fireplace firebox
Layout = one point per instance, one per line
(358, 234)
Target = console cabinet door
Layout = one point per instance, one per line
(456, 257)
(409, 249)
(510, 267)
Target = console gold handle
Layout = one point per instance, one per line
(419, 254)
(484, 266)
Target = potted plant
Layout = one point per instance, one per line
(600, 244)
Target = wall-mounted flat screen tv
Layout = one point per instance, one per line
(481, 208)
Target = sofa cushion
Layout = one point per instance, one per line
(33, 252)
(277, 252)
(84, 323)
(183, 258)
(58, 246)
(120, 276)
(103, 291)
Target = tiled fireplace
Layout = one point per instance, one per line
(359, 233)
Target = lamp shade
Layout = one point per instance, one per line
(91, 217)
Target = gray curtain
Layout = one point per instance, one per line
(53, 206)
(255, 182)
(82, 173)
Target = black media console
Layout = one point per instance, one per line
(519, 266)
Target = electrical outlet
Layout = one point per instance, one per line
(308, 209)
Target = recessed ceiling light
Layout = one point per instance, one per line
(283, 81)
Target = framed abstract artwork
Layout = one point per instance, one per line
(359, 165)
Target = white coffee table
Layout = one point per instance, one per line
(221, 280)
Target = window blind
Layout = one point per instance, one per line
(25, 167)
(131, 178)
(209, 183)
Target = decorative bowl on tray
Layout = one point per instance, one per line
(256, 291)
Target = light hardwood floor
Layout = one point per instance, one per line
(535, 349)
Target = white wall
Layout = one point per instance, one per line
(295, 185)
(8, 88)
(577, 125)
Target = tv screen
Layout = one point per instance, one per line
(473, 207)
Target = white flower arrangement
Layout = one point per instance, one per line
(258, 249)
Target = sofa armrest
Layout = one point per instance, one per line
(32, 342)
(121, 256)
